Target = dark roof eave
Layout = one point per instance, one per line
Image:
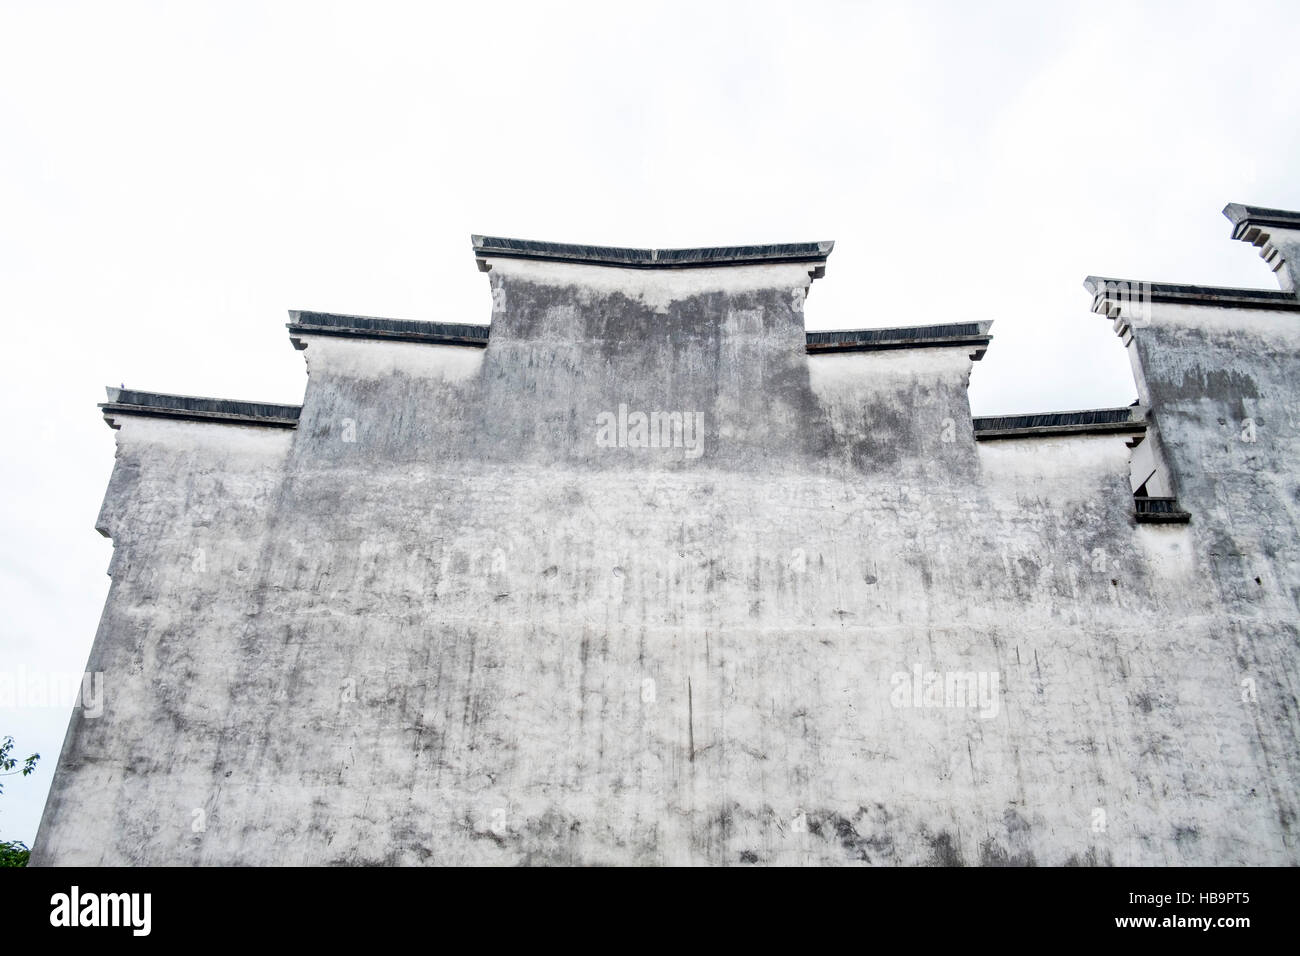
(1244, 218)
(980, 345)
(384, 329)
(496, 247)
(1129, 420)
(1103, 289)
(193, 408)
(296, 330)
(973, 335)
(113, 410)
(1125, 428)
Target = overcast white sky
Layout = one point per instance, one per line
(174, 177)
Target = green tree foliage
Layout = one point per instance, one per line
(12, 852)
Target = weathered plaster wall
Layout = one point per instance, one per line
(1224, 388)
(440, 623)
(187, 508)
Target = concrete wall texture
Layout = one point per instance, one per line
(460, 609)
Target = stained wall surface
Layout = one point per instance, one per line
(449, 619)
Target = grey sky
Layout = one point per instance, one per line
(174, 177)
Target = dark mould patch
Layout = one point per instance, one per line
(852, 841)
(993, 854)
(856, 845)
(1091, 858)
(944, 850)
(1014, 822)
(497, 838)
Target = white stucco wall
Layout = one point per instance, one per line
(459, 630)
